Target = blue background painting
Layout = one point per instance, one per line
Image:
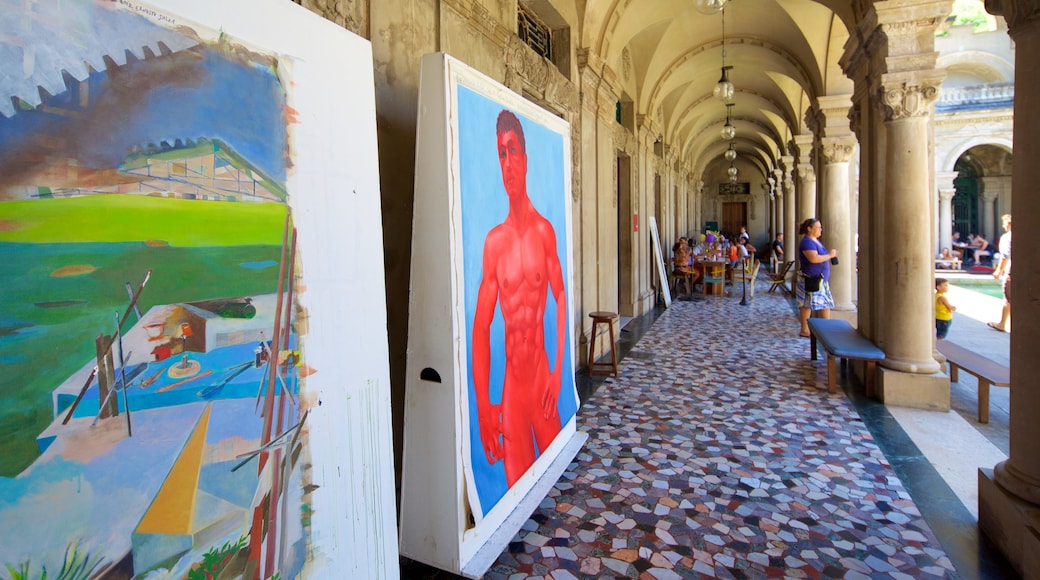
(485, 205)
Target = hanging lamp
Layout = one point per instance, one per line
(728, 130)
(724, 88)
(709, 7)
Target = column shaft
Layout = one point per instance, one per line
(908, 293)
(790, 225)
(834, 210)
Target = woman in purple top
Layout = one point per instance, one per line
(813, 259)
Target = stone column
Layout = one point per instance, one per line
(778, 224)
(834, 210)
(944, 181)
(908, 98)
(790, 225)
(806, 201)
(1009, 495)
(990, 191)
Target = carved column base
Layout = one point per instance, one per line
(919, 391)
(1010, 522)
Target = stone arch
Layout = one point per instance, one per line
(960, 149)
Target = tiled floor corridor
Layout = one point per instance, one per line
(718, 453)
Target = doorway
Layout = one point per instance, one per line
(628, 228)
(734, 215)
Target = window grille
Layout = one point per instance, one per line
(534, 34)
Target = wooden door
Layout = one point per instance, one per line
(734, 215)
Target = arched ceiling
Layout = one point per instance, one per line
(668, 55)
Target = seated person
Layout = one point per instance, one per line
(682, 265)
(945, 259)
(981, 247)
(751, 250)
(778, 248)
(957, 246)
(737, 254)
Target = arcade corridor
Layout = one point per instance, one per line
(717, 452)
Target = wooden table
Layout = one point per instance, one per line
(714, 276)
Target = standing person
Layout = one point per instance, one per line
(943, 309)
(778, 252)
(1004, 271)
(520, 265)
(813, 260)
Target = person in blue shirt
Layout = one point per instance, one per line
(813, 260)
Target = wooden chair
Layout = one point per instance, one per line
(778, 280)
(750, 274)
(714, 277)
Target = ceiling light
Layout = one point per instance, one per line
(732, 171)
(709, 6)
(728, 130)
(730, 153)
(724, 89)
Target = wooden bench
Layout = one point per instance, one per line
(989, 373)
(841, 341)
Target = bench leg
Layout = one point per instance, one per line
(953, 372)
(812, 346)
(832, 385)
(983, 401)
(870, 378)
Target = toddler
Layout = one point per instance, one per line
(943, 309)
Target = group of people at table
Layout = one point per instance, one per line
(976, 250)
(689, 261)
(814, 259)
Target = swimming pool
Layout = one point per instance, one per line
(988, 288)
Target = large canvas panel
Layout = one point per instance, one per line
(490, 319)
(485, 205)
(170, 177)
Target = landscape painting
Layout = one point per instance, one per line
(151, 372)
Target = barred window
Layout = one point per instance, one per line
(533, 32)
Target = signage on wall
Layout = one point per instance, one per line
(742, 188)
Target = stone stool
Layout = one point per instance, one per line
(605, 368)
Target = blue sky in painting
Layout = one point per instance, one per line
(160, 99)
(485, 205)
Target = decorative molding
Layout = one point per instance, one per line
(901, 100)
(806, 172)
(837, 149)
(350, 14)
(1019, 14)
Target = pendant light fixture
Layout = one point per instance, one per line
(724, 89)
(728, 130)
(730, 153)
(709, 7)
(732, 171)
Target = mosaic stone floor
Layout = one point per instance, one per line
(747, 470)
(718, 453)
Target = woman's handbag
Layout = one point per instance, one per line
(813, 283)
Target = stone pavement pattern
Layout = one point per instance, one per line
(717, 452)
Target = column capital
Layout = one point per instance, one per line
(944, 179)
(905, 96)
(835, 111)
(947, 194)
(806, 172)
(837, 149)
(804, 143)
(1019, 14)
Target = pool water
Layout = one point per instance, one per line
(994, 290)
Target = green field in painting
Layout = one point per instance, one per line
(125, 218)
(48, 323)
